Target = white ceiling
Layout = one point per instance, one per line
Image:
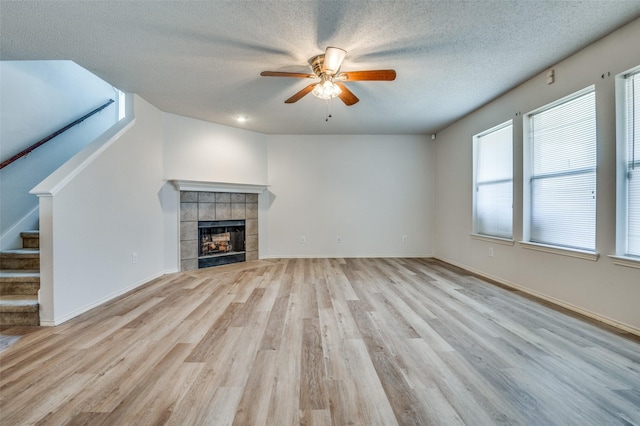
(203, 59)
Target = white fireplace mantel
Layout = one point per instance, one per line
(192, 185)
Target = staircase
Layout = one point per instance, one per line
(20, 282)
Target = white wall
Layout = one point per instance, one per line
(96, 215)
(600, 288)
(36, 99)
(368, 190)
(201, 151)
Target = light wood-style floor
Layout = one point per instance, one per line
(326, 342)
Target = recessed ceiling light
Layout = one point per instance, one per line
(241, 118)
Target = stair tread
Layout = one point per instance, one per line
(32, 232)
(22, 252)
(19, 303)
(11, 281)
(18, 273)
(18, 299)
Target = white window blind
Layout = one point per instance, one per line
(633, 164)
(494, 182)
(563, 173)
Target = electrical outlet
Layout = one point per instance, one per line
(338, 239)
(404, 238)
(134, 257)
(303, 239)
(490, 251)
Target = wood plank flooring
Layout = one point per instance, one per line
(322, 342)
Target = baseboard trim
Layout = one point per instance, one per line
(96, 303)
(359, 256)
(598, 317)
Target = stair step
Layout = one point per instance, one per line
(18, 311)
(21, 252)
(33, 233)
(30, 239)
(24, 258)
(16, 282)
(20, 282)
(19, 319)
(21, 275)
(20, 303)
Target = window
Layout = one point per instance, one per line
(560, 173)
(493, 181)
(629, 163)
(121, 105)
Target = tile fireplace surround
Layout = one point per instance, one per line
(204, 205)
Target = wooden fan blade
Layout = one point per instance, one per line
(300, 94)
(376, 75)
(347, 95)
(286, 74)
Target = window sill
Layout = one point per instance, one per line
(580, 254)
(631, 262)
(497, 240)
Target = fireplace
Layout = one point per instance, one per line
(221, 242)
(204, 203)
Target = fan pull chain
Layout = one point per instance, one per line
(328, 105)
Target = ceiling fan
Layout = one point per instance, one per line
(326, 67)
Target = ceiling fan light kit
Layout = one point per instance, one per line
(326, 67)
(326, 89)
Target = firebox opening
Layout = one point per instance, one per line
(221, 242)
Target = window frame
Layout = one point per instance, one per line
(476, 232)
(622, 257)
(527, 199)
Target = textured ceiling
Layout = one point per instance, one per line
(203, 59)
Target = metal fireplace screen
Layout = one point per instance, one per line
(221, 242)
